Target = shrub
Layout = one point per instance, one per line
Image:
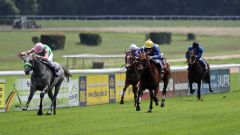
(191, 36)
(35, 39)
(53, 41)
(160, 38)
(90, 39)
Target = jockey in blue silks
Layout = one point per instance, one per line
(198, 51)
(154, 53)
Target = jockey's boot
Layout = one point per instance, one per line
(54, 69)
(161, 68)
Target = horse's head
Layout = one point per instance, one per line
(142, 61)
(193, 62)
(29, 62)
(192, 59)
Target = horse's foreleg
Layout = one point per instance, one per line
(138, 99)
(155, 95)
(124, 90)
(190, 87)
(199, 91)
(151, 100)
(135, 94)
(32, 91)
(41, 99)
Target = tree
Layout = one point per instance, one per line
(8, 7)
(27, 7)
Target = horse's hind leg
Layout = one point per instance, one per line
(57, 87)
(124, 90)
(50, 95)
(207, 79)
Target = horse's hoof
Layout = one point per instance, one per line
(138, 108)
(156, 101)
(211, 91)
(24, 109)
(121, 102)
(39, 113)
(150, 110)
(192, 91)
(48, 113)
(163, 103)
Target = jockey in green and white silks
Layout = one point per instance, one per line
(44, 52)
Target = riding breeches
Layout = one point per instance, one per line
(159, 62)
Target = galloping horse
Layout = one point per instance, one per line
(197, 74)
(43, 79)
(132, 76)
(150, 78)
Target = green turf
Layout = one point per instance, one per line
(218, 114)
(146, 23)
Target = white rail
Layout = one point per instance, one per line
(117, 70)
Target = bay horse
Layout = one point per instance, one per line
(43, 79)
(132, 76)
(150, 78)
(196, 74)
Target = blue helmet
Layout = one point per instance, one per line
(195, 45)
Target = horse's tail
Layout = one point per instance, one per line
(67, 74)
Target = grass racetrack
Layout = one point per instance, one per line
(218, 114)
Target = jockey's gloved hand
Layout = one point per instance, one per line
(22, 54)
(150, 57)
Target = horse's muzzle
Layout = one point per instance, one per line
(27, 72)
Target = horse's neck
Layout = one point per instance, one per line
(196, 68)
(39, 68)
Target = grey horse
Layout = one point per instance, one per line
(43, 79)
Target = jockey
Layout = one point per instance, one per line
(134, 50)
(154, 53)
(45, 53)
(198, 51)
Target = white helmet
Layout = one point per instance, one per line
(133, 47)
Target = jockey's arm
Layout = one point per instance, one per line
(26, 53)
(30, 51)
(157, 53)
(45, 57)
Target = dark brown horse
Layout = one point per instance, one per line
(132, 76)
(150, 78)
(197, 74)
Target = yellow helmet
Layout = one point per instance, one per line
(149, 44)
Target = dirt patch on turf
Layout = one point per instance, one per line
(215, 31)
